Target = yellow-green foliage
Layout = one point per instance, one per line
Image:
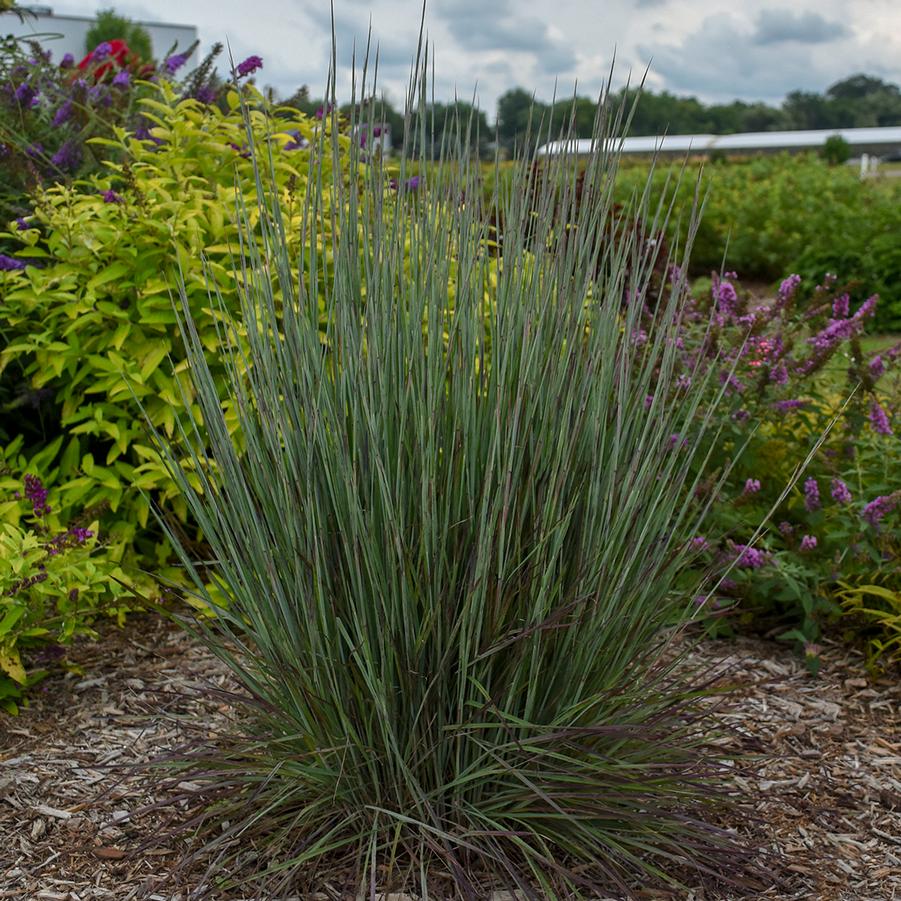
(879, 606)
(55, 576)
(96, 323)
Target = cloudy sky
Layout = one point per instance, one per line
(717, 50)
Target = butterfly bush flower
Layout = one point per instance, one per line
(752, 486)
(26, 95)
(879, 419)
(67, 62)
(206, 94)
(68, 157)
(173, 63)
(749, 557)
(63, 113)
(101, 51)
(111, 196)
(840, 492)
(36, 493)
(876, 510)
(122, 79)
(877, 367)
(841, 306)
(10, 264)
(786, 528)
(725, 295)
(783, 406)
(808, 542)
(788, 287)
(249, 66)
(811, 495)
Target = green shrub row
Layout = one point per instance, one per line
(768, 216)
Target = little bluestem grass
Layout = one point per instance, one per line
(449, 550)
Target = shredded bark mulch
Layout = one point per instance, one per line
(828, 791)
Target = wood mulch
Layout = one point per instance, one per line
(828, 791)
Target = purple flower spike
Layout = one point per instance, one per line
(249, 66)
(840, 492)
(841, 306)
(876, 510)
(63, 114)
(877, 367)
(811, 495)
(111, 196)
(67, 62)
(68, 157)
(175, 62)
(808, 542)
(37, 494)
(10, 264)
(752, 486)
(879, 420)
(26, 96)
(788, 287)
(101, 51)
(750, 557)
(122, 79)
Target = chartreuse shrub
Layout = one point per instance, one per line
(448, 561)
(55, 578)
(90, 326)
(876, 608)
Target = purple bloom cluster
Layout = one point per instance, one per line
(70, 538)
(111, 196)
(173, 63)
(36, 493)
(876, 510)
(811, 495)
(808, 543)
(750, 557)
(63, 113)
(841, 494)
(783, 406)
(10, 264)
(68, 157)
(752, 486)
(26, 95)
(249, 66)
(879, 419)
(788, 287)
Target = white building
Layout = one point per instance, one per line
(64, 34)
(878, 141)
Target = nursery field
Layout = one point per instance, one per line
(380, 528)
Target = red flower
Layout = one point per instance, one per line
(116, 51)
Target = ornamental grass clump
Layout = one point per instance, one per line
(449, 550)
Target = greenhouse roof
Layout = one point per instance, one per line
(872, 140)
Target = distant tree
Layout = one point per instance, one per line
(518, 115)
(110, 26)
(806, 109)
(859, 86)
(836, 150)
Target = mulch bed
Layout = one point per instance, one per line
(828, 790)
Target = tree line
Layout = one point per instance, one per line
(855, 102)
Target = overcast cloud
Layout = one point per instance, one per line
(716, 50)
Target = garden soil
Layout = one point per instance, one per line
(827, 790)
